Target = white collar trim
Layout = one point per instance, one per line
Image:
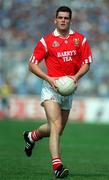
(56, 33)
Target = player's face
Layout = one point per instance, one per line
(63, 21)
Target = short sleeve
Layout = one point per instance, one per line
(86, 53)
(39, 53)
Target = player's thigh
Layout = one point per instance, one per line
(53, 111)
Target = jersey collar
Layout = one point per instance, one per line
(56, 33)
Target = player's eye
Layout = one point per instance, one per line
(60, 17)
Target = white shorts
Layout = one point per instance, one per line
(48, 93)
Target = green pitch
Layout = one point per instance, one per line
(85, 152)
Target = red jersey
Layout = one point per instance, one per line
(63, 56)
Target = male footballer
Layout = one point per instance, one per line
(66, 53)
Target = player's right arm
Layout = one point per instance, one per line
(38, 55)
(35, 69)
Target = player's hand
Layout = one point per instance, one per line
(75, 80)
(52, 82)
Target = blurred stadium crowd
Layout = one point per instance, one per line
(24, 22)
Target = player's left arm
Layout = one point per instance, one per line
(86, 57)
(82, 71)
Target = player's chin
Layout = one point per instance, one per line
(63, 27)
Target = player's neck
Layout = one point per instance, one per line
(63, 33)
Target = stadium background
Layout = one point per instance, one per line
(85, 145)
(22, 24)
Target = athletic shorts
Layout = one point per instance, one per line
(48, 93)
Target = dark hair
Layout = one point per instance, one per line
(64, 9)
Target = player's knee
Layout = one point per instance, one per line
(58, 128)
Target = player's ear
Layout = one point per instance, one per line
(55, 21)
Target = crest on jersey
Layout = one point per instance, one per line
(76, 41)
(55, 44)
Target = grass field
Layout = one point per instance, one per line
(85, 152)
